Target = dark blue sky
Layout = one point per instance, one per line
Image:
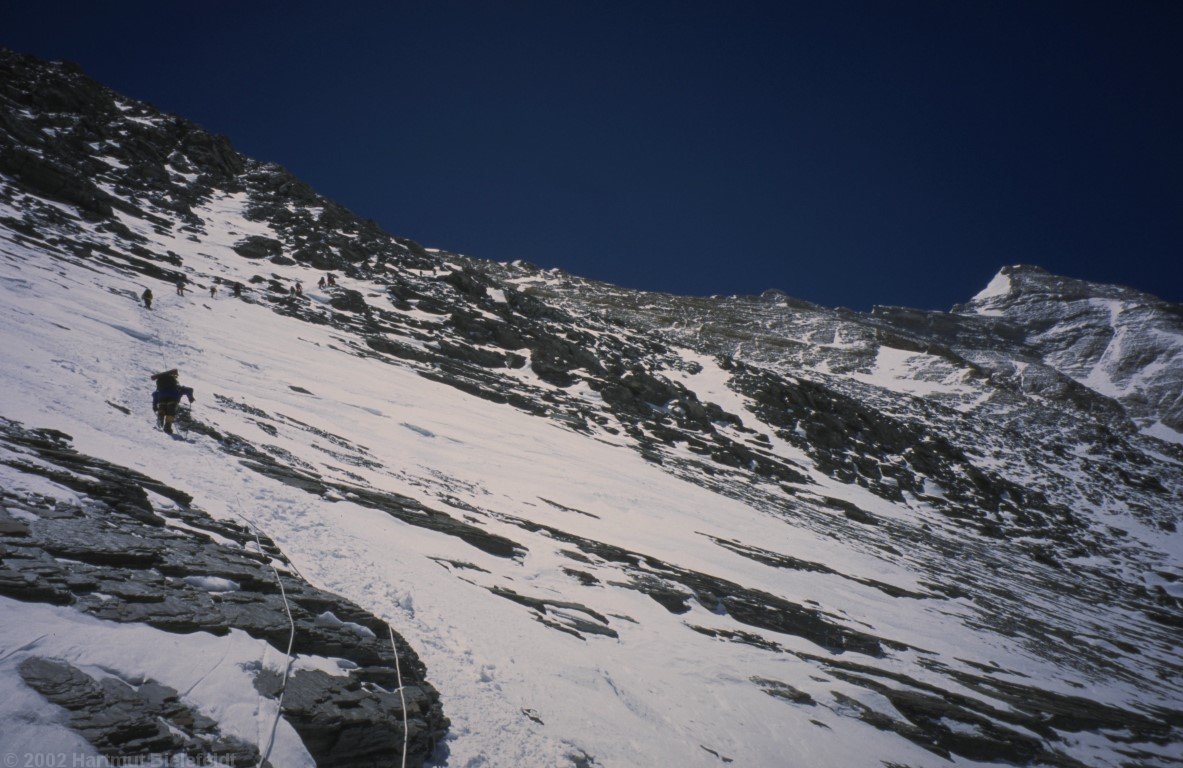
(849, 153)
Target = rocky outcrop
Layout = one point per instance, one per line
(258, 247)
(125, 720)
(54, 181)
(117, 558)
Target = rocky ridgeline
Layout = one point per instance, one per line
(980, 422)
(814, 374)
(112, 555)
(1125, 343)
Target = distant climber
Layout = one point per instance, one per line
(213, 291)
(146, 296)
(167, 397)
(331, 279)
(237, 288)
(181, 285)
(299, 289)
(321, 282)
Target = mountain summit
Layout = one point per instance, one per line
(1118, 342)
(460, 512)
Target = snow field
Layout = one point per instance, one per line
(658, 694)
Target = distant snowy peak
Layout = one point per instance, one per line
(1117, 341)
(1017, 287)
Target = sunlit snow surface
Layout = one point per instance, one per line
(519, 693)
(648, 698)
(999, 286)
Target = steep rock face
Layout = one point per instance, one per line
(904, 537)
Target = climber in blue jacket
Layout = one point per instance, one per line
(167, 397)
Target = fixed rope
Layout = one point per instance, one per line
(265, 754)
(398, 671)
(287, 668)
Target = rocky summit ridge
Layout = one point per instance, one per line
(1118, 342)
(590, 525)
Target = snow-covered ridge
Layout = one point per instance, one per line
(999, 285)
(617, 528)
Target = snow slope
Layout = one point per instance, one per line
(644, 691)
(613, 544)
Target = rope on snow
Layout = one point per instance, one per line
(266, 754)
(287, 669)
(401, 697)
(291, 639)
